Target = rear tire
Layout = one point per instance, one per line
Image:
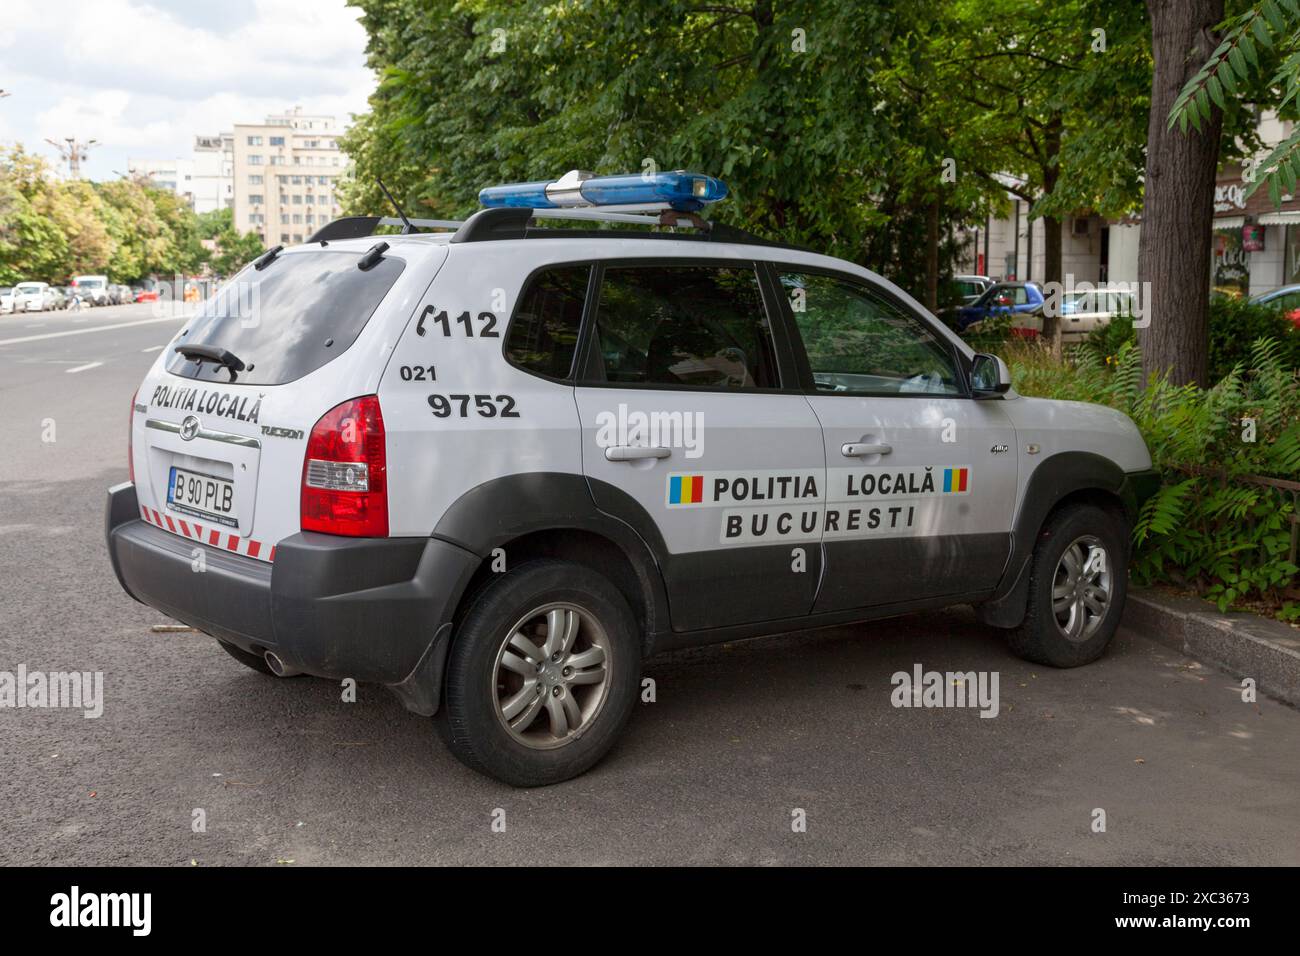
(542, 675)
(1078, 581)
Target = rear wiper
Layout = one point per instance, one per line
(212, 353)
(373, 256)
(266, 258)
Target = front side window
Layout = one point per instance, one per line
(543, 334)
(860, 343)
(702, 326)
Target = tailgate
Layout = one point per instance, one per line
(198, 456)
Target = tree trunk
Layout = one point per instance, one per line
(932, 256)
(1052, 252)
(1174, 246)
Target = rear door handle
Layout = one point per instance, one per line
(862, 449)
(634, 452)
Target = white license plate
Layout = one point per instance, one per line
(203, 496)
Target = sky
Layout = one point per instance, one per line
(145, 76)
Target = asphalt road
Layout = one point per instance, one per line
(739, 737)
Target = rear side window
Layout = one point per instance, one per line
(300, 312)
(702, 326)
(543, 334)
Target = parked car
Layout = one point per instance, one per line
(60, 298)
(1284, 298)
(92, 289)
(6, 299)
(147, 295)
(1001, 298)
(964, 290)
(501, 541)
(1081, 312)
(33, 297)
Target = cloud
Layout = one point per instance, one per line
(143, 78)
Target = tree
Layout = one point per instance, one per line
(32, 246)
(233, 249)
(777, 99)
(1174, 247)
(1051, 97)
(1264, 37)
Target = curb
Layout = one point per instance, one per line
(1242, 644)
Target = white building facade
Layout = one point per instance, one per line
(1256, 245)
(286, 172)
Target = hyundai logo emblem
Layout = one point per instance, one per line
(189, 427)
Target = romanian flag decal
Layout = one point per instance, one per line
(685, 489)
(955, 480)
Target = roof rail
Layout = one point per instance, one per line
(358, 227)
(512, 222)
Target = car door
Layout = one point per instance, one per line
(921, 478)
(689, 436)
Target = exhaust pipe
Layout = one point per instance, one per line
(278, 667)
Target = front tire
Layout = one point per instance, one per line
(542, 675)
(1078, 582)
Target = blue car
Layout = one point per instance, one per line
(1003, 297)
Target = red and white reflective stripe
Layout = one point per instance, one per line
(210, 536)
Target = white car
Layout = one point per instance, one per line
(93, 290)
(6, 299)
(494, 467)
(1081, 313)
(33, 297)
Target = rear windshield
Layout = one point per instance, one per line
(301, 311)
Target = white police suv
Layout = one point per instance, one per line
(495, 464)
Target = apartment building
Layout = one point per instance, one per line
(214, 171)
(285, 174)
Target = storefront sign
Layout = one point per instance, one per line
(1252, 238)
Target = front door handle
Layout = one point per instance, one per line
(861, 449)
(634, 452)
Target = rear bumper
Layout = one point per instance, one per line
(373, 609)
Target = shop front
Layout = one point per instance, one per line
(1256, 244)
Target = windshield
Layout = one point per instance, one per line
(27, 287)
(302, 310)
(90, 283)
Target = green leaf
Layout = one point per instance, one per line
(1248, 47)
(1260, 29)
(1237, 60)
(1216, 92)
(1229, 79)
(1274, 16)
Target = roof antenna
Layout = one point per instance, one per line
(407, 229)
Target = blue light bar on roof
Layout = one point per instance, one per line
(680, 190)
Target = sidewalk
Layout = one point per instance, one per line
(1241, 644)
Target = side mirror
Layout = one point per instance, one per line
(989, 376)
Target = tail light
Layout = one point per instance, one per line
(130, 437)
(345, 474)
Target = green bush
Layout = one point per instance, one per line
(1235, 325)
(1106, 342)
(1205, 528)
